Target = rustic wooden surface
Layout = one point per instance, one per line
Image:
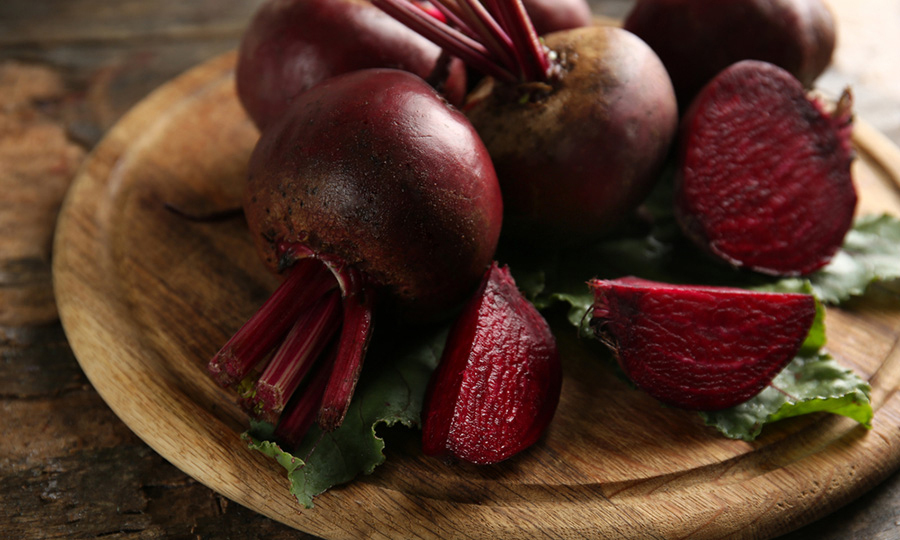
(70, 69)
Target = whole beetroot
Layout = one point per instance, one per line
(696, 39)
(577, 154)
(578, 123)
(291, 45)
(371, 185)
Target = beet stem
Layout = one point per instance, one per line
(356, 330)
(490, 33)
(534, 62)
(301, 410)
(471, 52)
(296, 356)
(306, 282)
(454, 17)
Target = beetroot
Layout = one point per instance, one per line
(373, 179)
(498, 382)
(578, 130)
(290, 45)
(764, 175)
(696, 39)
(699, 347)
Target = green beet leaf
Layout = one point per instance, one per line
(390, 392)
(810, 383)
(870, 254)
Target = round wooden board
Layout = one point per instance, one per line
(146, 297)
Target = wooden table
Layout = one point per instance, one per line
(68, 70)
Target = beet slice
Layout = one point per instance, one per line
(498, 382)
(764, 176)
(699, 347)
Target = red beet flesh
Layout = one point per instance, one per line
(696, 39)
(291, 45)
(371, 184)
(498, 382)
(764, 177)
(699, 347)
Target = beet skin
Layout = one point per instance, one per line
(375, 168)
(764, 178)
(577, 154)
(291, 45)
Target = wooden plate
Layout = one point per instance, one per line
(146, 297)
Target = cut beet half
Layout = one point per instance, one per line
(498, 382)
(699, 347)
(764, 178)
(312, 332)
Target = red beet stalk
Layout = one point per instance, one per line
(286, 338)
(699, 347)
(496, 37)
(304, 284)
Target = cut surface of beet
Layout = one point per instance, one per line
(498, 382)
(699, 347)
(764, 178)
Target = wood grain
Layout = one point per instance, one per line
(146, 297)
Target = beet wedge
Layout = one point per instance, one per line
(764, 177)
(499, 379)
(699, 347)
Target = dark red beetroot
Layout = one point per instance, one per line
(764, 177)
(697, 347)
(498, 383)
(696, 39)
(290, 45)
(372, 178)
(578, 130)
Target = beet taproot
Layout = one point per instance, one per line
(498, 383)
(696, 39)
(699, 347)
(764, 177)
(291, 45)
(371, 185)
(578, 123)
